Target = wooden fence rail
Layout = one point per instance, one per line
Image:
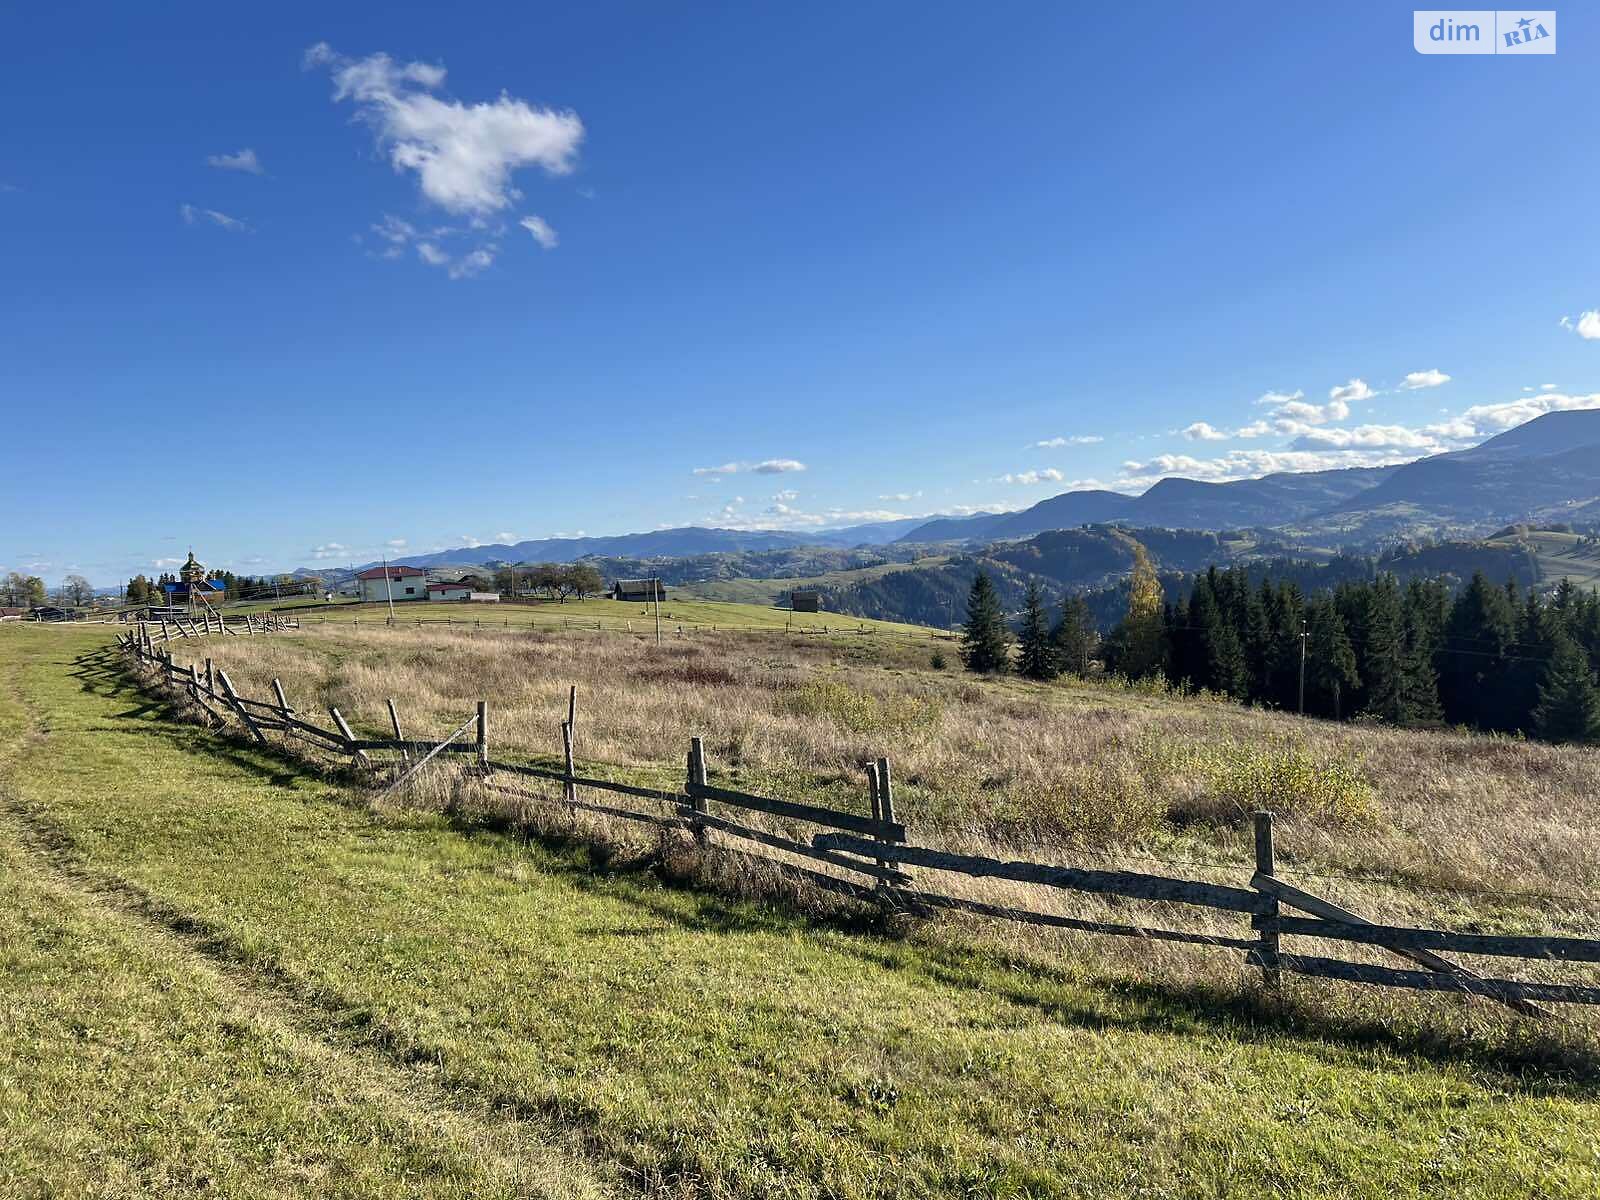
(874, 848)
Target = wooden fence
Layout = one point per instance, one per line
(875, 848)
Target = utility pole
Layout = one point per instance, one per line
(655, 590)
(388, 587)
(1303, 636)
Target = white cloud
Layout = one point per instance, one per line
(432, 255)
(1077, 439)
(1276, 399)
(1422, 379)
(1028, 478)
(464, 156)
(787, 496)
(1453, 429)
(194, 216)
(770, 466)
(245, 160)
(505, 536)
(1293, 411)
(1355, 390)
(1367, 437)
(541, 231)
(1201, 432)
(1253, 430)
(471, 264)
(330, 550)
(1547, 387)
(900, 497)
(396, 543)
(1487, 419)
(1247, 464)
(1587, 325)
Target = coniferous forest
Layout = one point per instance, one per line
(1491, 657)
(1499, 658)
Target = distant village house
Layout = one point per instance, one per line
(638, 590)
(397, 582)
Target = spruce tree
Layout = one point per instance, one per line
(1569, 705)
(1072, 636)
(984, 641)
(1381, 662)
(1424, 608)
(1478, 639)
(1331, 663)
(1036, 654)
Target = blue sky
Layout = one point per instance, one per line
(294, 284)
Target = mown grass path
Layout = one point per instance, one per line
(220, 975)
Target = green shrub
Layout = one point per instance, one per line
(1279, 774)
(862, 713)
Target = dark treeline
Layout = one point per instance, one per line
(1422, 653)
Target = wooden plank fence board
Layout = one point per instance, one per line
(1131, 884)
(778, 842)
(1404, 937)
(410, 744)
(1507, 991)
(244, 713)
(803, 812)
(427, 758)
(627, 814)
(1028, 916)
(1327, 909)
(624, 789)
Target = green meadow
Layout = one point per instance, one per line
(222, 974)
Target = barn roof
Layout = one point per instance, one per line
(396, 571)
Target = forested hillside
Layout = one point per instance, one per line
(1489, 656)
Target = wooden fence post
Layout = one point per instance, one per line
(1266, 864)
(394, 719)
(349, 738)
(568, 736)
(884, 810)
(697, 780)
(211, 678)
(283, 700)
(233, 702)
(483, 736)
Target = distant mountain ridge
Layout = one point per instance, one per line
(660, 543)
(1547, 468)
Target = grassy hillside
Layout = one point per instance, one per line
(1557, 555)
(225, 974)
(614, 616)
(776, 590)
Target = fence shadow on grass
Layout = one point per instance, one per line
(1538, 1065)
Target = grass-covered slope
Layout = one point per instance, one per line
(219, 975)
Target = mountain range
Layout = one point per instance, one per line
(1546, 469)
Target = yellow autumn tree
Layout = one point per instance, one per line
(1141, 632)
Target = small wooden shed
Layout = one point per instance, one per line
(805, 601)
(638, 589)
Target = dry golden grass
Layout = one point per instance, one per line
(1434, 828)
